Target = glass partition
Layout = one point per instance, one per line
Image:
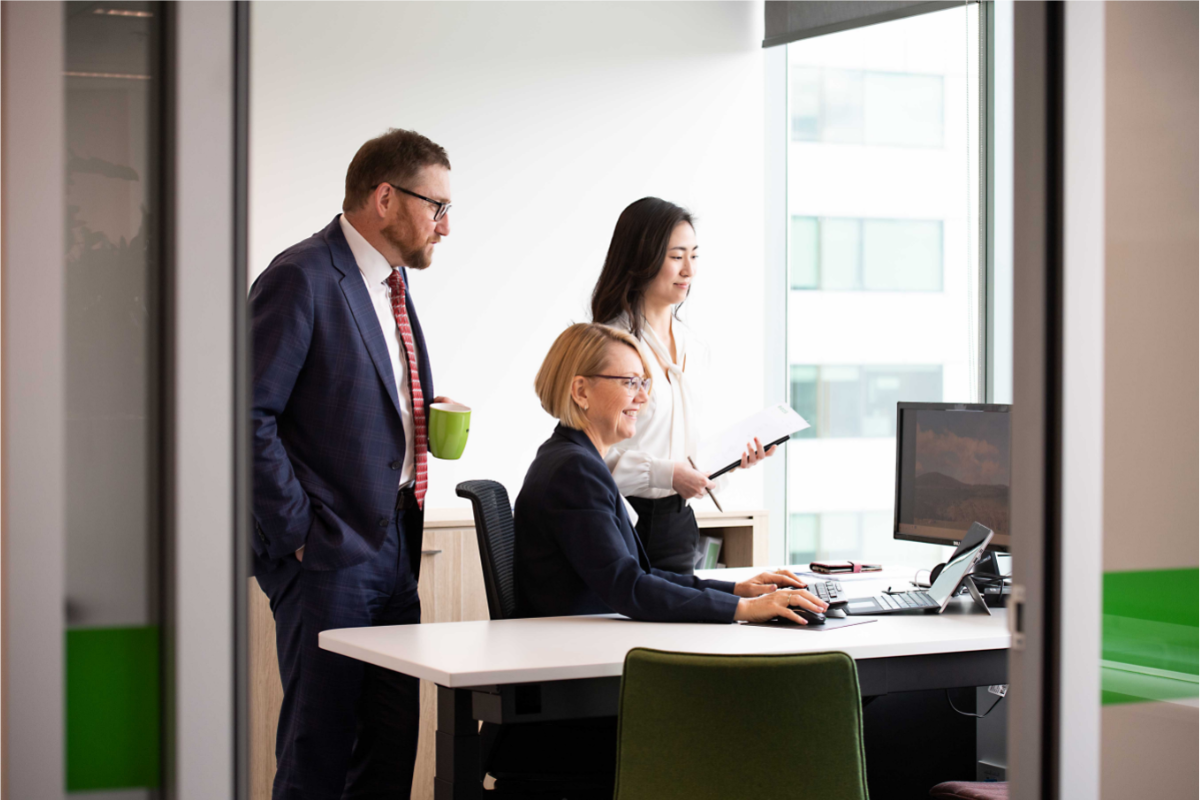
(113, 387)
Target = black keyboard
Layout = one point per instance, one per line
(899, 602)
(829, 591)
(891, 603)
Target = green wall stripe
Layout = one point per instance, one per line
(1150, 638)
(113, 728)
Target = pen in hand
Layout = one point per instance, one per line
(710, 494)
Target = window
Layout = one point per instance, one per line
(810, 535)
(835, 535)
(840, 401)
(847, 535)
(866, 254)
(805, 267)
(860, 107)
(883, 265)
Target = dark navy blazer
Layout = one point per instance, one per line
(577, 552)
(327, 436)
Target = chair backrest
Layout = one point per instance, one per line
(494, 530)
(703, 726)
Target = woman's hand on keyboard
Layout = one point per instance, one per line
(777, 604)
(767, 582)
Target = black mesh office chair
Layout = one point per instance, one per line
(517, 758)
(494, 529)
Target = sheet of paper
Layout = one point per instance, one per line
(722, 452)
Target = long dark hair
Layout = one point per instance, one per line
(635, 255)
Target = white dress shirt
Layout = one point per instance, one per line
(375, 270)
(667, 428)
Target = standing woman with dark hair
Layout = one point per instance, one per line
(647, 275)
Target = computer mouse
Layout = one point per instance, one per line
(835, 613)
(812, 617)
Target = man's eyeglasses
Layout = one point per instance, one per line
(632, 385)
(440, 209)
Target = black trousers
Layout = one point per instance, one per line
(346, 729)
(668, 531)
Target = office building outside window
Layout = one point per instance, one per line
(858, 401)
(866, 254)
(882, 265)
(865, 107)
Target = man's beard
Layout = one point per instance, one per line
(414, 258)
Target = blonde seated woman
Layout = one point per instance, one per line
(576, 548)
(577, 553)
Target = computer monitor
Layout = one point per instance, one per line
(953, 469)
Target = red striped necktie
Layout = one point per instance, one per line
(421, 447)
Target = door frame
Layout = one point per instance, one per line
(207, 440)
(33, 414)
(1035, 610)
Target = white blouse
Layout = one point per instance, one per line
(667, 429)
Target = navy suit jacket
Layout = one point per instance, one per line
(327, 436)
(577, 552)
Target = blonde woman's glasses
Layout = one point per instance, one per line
(632, 385)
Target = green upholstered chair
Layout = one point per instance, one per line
(702, 726)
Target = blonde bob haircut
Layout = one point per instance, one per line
(581, 349)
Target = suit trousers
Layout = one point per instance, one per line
(668, 530)
(346, 729)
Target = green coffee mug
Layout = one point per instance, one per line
(449, 424)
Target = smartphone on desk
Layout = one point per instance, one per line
(842, 567)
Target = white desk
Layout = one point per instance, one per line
(533, 670)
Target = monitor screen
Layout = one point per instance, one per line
(953, 469)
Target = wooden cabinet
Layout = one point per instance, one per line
(745, 534)
(266, 692)
(451, 590)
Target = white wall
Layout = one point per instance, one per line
(555, 116)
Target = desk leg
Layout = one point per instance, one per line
(459, 773)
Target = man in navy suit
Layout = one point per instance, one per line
(342, 386)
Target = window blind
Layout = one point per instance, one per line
(792, 20)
